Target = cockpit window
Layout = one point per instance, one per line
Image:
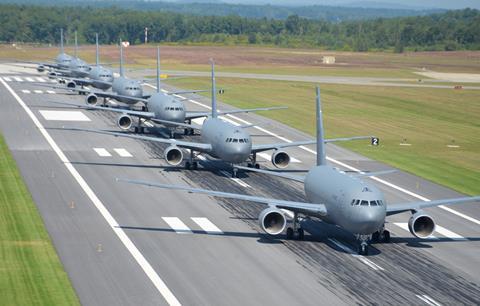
(235, 140)
(364, 203)
(373, 203)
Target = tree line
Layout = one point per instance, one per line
(452, 30)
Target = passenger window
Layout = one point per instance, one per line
(364, 203)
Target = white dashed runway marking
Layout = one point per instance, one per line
(207, 225)
(177, 225)
(122, 152)
(102, 152)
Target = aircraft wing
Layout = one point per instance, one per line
(167, 122)
(195, 146)
(193, 115)
(415, 206)
(302, 207)
(183, 92)
(99, 93)
(276, 146)
(85, 82)
(297, 178)
(146, 115)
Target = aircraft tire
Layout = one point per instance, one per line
(187, 165)
(289, 233)
(195, 165)
(301, 234)
(386, 236)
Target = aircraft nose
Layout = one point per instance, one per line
(370, 220)
(176, 116)
(239, 153)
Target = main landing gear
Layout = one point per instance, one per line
(254, 163)
(381, 236)
(296, 231)
(139, 129)
(191, 163)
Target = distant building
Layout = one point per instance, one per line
(328, 60)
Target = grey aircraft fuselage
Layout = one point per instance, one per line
(127, 87)
(230, 143)
(78, 68)
(338, 191)
(99, 73)
(63, 60)
(167, 108)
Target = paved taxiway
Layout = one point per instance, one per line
(238, 265)
(362, 81)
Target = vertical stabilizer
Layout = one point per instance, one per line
(76, 45)
(214, 91)
(61, 41)
(97, 56)
(321, 156)
(158, 68)
(122, 72)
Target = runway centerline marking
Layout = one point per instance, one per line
(42, 80)
(122, 152)
(7, 79)
(207, 225)
(428, 300)
(235, 179)
(177, 225)
(26, 91)
(102, 152)
(29, 79)
(398, 188)
(64, 115)
(18, 79)
(38, 91)
(363, 259)
(130, 246)
(51, 91)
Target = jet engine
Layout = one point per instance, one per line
(91, 99)
(173, 155)
(41, 68)
(124, 122)
(272, 221)
(52, 75)
(421, 225)
(280, 159)
(71, 84)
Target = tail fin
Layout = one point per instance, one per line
(158, 68)
(214, 91)
(122, 72)
(61, 41)
(76, 45)
(321, 156)
(97, 59)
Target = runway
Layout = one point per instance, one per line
(208, 251)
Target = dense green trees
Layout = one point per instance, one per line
(446, 31)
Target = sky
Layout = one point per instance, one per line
(447, 4)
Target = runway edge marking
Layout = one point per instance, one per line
(137, 255)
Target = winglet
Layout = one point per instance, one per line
(97, 59)
(61, 41)
(321, 156)
(158, 68)
(122, 71)
(214, 91)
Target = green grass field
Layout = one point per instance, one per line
(30, 270)
(428, 119)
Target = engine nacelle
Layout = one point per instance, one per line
(71, 84)
(52, 75)
(173, 155)
(124, 122)
(91, 99)
(280, 159)
(40, 68)
(421, 225)
(272, 221)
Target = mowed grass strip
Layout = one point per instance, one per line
(30, 270)
(428, 119)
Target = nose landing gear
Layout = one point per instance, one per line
(363, 244)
